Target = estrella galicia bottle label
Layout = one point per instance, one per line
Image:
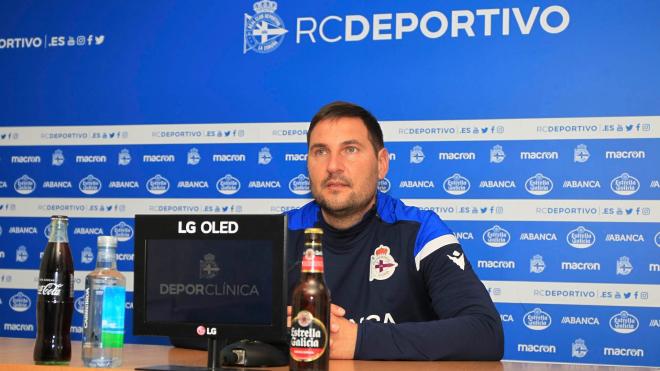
(309, 337)
(312, 261)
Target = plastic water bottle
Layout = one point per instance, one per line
(105, 307)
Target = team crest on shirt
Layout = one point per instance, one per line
(382, 264)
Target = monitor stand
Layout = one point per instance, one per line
(273, 356)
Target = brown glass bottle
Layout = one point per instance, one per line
(55, 298)
(309, 346)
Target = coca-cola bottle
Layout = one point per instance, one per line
(55, 298)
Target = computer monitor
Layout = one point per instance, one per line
(216, 276)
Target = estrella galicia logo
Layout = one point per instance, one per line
(538, 185)
(537, 320)
(656, 239)
(496, 236)
(158, 185)
(124, 157)
(89, 185)
(193, 157)
(581, 238)
(384, 185)
(25, 185)
(47, 230)
(79, 304)
(57, 158)
(497, 154)
(122, 231)
(579, 349)
(300, 185)
(86, 255)
(264, 156)
(536, 264)
(264, 31)
(624, 323)
(20, 302)
(208, 268)
(456, 185)
(416, 155)
(22, 254)
(625, 185)
(580, 153)
(228, 185)
(623, 266)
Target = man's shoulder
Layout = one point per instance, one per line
(433, 234)
(303, 217)
(392, 210)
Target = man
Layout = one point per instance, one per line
(400, 284)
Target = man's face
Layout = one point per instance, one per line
(344, 169)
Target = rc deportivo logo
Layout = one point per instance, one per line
(536, 264)
(264, 31)
(579, 349)
(264, 157)
(193, 157)
(57, 158)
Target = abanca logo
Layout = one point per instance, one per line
(89, 185)
(624, 323)
(228, 185)
(581, 238)
(158, 185)
(537, 320)
(25, 185)
(625, 185)
(496, 236)
(538, 185)
(300, 185)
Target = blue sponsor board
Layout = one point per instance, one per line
(580, 334)
(560, 251)
(24, 239)
(516, 169)
(586, 138)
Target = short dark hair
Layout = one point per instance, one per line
(336, 110)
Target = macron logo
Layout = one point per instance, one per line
(458, 259)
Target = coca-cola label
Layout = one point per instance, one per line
(309, 337)
(57, 290)
(312, 261)
(51, 289)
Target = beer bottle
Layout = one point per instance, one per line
(55, 298)
(310, 316)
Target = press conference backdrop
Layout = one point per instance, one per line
(531, 128)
